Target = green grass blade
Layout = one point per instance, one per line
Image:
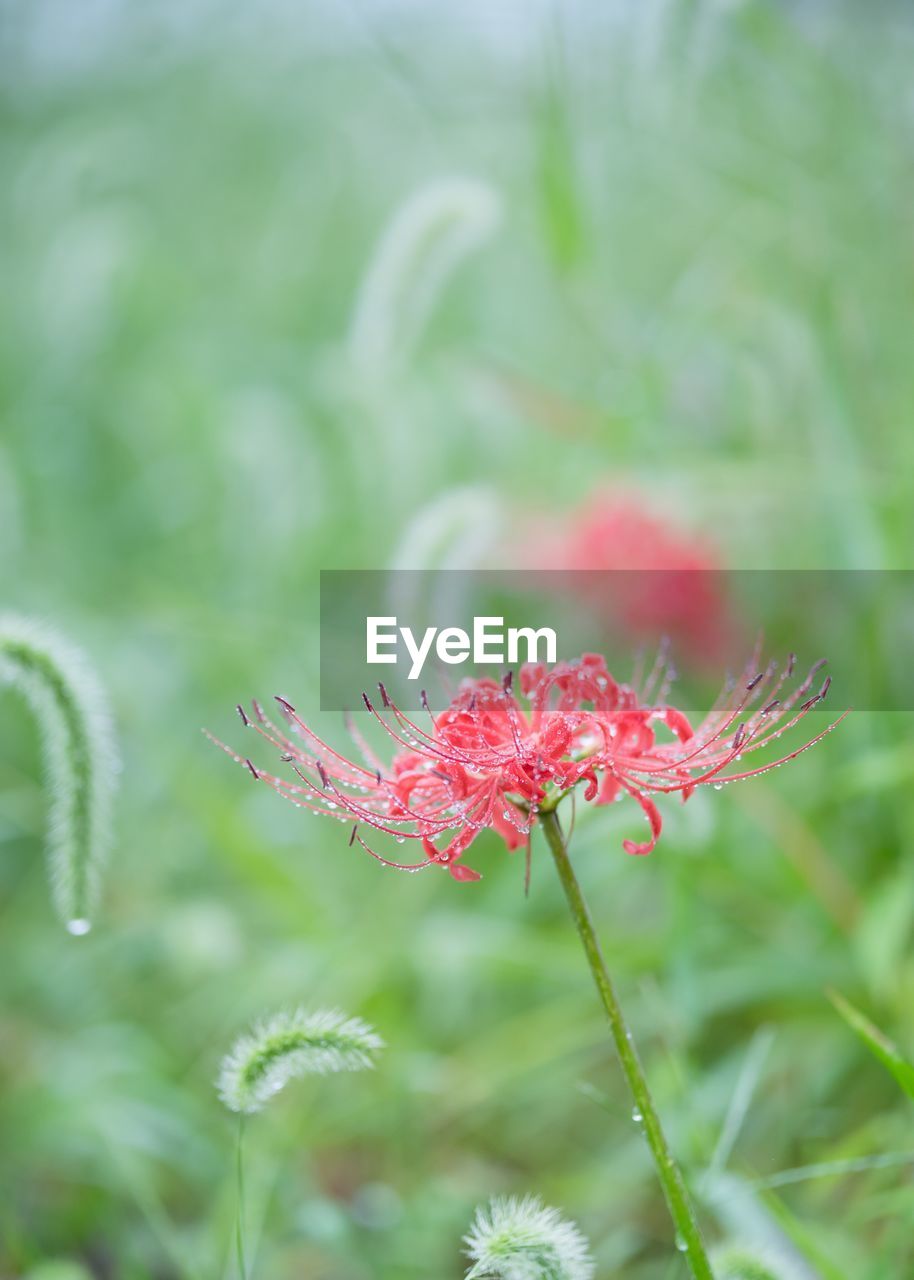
(877, 1042)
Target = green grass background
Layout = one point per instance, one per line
(699, 289)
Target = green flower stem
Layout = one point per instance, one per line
(240, 1207)
(688, 1233)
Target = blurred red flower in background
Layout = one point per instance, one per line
(639, 573)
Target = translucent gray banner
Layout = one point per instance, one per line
(421, 631)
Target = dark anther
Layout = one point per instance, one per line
(755, 681)
(738, 737)
(377, 774)
(383, 692)
(791, 663)
(285, 704)
(423, 696)
(811, 702)
(254, 773)
(244, 720)
(771, 706)
(322, 773)
(826, 685)
(367, 701)
(355, 828)
(507, 681)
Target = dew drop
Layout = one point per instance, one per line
(637, 1116)
(401, 839)
(718, 786)
(78, 926)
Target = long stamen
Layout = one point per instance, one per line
(491, 757)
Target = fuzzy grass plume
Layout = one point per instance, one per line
(81, 763)
(736, 1263)
(429, 236)
(294, 1044)
(513, 1239)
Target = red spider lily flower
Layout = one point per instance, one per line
(494, 759)
(668, 581)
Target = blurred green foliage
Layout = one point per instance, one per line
(699, 287)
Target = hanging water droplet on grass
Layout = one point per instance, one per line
(78, 927)
(637, 1116)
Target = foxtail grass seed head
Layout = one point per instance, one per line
(81, 761)
(737, 1263)
(457, 529)
(430, 235)
(289, 1045)
(523, 1239)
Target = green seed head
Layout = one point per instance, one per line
(515, 1239)
(289, 1045)
(71, 708)
(737, 1263)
